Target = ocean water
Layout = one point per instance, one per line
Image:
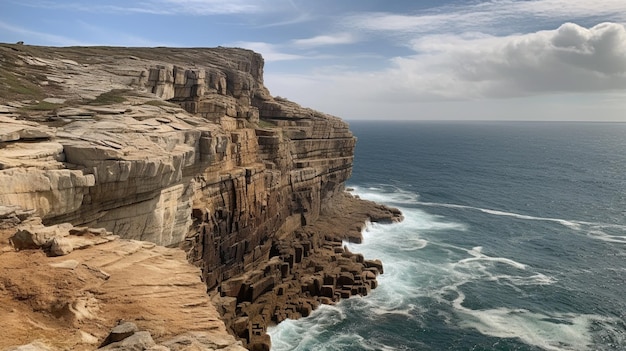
(514, 239)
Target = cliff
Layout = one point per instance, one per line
(184, 148)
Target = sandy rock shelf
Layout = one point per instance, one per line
(71, 302)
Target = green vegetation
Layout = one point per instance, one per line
(18, 88)
(115, 96)
(42, 106)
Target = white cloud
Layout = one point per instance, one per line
(569, 59)
(459, 69)
(478, 16)
(269, 51)
(322, 40)
(165, 7)
(209, 7)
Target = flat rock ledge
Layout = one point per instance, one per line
(106, 293)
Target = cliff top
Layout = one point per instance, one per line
(38, 72)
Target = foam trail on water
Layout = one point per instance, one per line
(554, 331)
(479, 256)
(301, 334)
(600, 235)
(591, 227)
(567, 223)
(386, 194)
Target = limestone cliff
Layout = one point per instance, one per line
(186, 148)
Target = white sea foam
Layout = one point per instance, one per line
(311, 333)
(388, 194)
(494, 259)
(553, 331)
(536, 279)
(593, 229)
(414, 244)
(301, 334)
(600, 235)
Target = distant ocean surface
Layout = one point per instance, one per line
(514, 239)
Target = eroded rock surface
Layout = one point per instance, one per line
(186, 148)
(71, 302)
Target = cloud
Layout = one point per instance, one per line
(501, 15)
(210, 7)
(570, 59)
(322, 40)
(163, 7)
(269, 51)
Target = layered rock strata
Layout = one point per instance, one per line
(187, 148)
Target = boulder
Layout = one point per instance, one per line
(139, 341)
(34, 235)
(374, 264)
(60, 246)
(120, 332)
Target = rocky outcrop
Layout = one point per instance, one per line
(186, 148)
(70, 300)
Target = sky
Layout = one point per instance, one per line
(379, 59)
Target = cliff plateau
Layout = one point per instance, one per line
(181, 148)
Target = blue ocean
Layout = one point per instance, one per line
(514, 238)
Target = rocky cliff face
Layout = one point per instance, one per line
(185, 148)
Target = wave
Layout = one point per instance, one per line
(396, 196)
(593, 229)
(311, 333)
(600, 235)
(386, 194)
(549, 331)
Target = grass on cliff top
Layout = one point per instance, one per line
(115, 96)
(15, 87)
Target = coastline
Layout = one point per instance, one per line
(198, 158)
(311, 267)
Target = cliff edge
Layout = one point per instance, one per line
(184, 148)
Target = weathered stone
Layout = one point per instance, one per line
(120, 332)
(345, 279)
(60, 246)
(328, 290)
(138, 341)
(35, 235)
(34, 346)
(374, 264)
(202, 341)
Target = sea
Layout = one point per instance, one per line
(514, 238)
